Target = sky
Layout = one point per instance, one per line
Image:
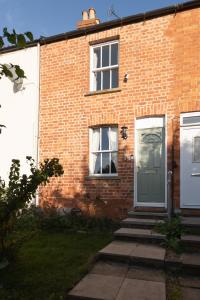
(51, 17)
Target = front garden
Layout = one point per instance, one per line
(49, 254)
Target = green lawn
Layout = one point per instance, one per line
(50, 264)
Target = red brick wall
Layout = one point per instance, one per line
(162, 57)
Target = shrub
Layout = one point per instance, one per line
(18, 194)
(173, 230)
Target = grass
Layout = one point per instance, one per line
(49, 264)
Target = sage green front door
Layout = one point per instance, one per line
(151, 166)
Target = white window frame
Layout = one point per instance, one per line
(189, 114)
(93, 70)
(101, 151)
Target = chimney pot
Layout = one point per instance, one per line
(85, 15)
(92, 13)
(88, 19)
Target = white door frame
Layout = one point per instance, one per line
(149, 122)
(182, 127)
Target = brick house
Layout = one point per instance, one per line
(120, 108)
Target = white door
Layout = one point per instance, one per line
(190, 162)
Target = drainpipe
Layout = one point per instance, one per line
(37, 137)
(169, 193)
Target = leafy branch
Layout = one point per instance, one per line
(18, 40)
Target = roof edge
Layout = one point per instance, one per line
(179, 7)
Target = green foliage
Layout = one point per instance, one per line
(49, 264)
(49, 219)
(20, 191)
(17, 40)
(173, 230)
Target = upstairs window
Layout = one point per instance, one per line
(103, 150)
(104, 66)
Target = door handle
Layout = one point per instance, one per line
(195, 174)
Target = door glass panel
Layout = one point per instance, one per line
(191, 120)
(196, 149)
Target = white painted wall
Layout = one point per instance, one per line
(19, 111)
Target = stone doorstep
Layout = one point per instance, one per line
(191, 239)
(140, 222)
(193, 222)
(134, 253)
(148, 215)
(138, 233)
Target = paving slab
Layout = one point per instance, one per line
(110, 268)
(149, 252)
(148, 274)
(100, 287)
(134, 289)
(190, 293)
(119, 248)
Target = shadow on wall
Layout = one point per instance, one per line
(99, 197)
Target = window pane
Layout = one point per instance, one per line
(105, 56)
(97, 58)
(196, 149)
(192, 120)
(97, 81)
(113, 138)
(105, 163)
(115, 78)
(106, 80)
(113, 162)
(105, 138)
(114, 54)
(97, 163)
(96, 139)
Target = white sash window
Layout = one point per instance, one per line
(104, 66)
(103, 151)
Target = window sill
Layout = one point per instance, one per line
(103, 92)
(92, 177)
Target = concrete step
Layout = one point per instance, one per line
(134, 253)
(191, 242)
(140, 223)
(191, 223)
(147, 215)
(191, 263)
(139, 235)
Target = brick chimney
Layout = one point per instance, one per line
(88, 19)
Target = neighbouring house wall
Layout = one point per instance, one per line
(19, 111)
(162, 57)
